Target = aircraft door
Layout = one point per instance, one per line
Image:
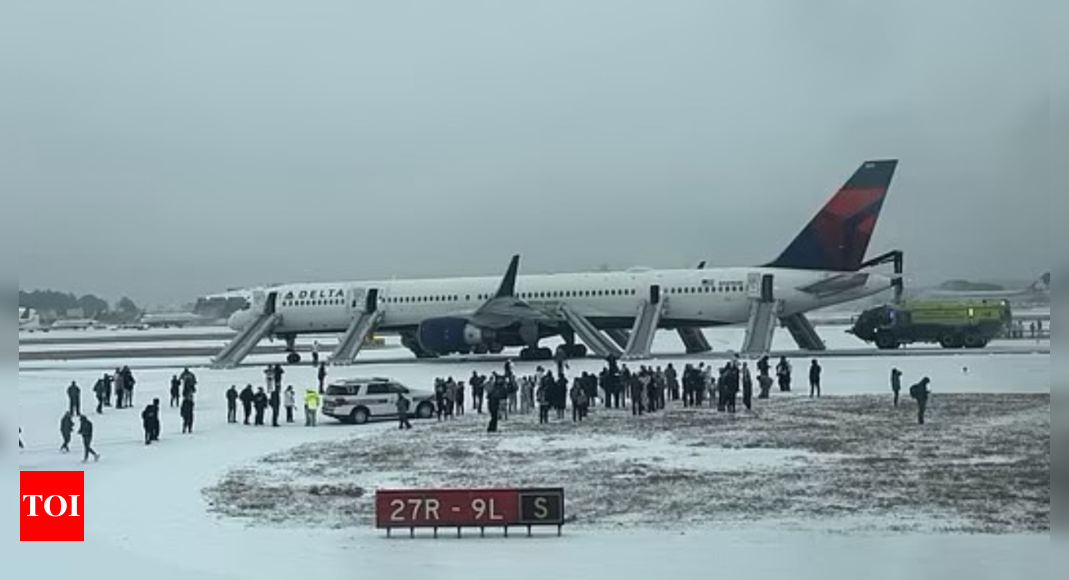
(271, 306)
(768, 288)
(655, 294)
(371, 300)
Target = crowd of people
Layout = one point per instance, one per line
(644, 390)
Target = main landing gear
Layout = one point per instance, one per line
(292, 356)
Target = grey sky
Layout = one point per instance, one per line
(168, 149)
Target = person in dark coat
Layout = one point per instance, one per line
(404, 408)
(187, 415)
(74, 397)
(896, 384)
(733, 381)
(108, 383)
(120, 391)
(189, 385)
(764, 368)
(149, 420)
(277, 373)
(764, 382)
(322, 377)
(494, 397)
(98, 389)
(232, 405)
(275, 401)
(783, 372)
(85, 429)
(66, 429)
(815, 372)
(247, 399)
(747, 387)
(478, 391)
(920, 393)
(260, 403)
(128, 383)
(176, 391)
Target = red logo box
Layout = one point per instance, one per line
(52, 506)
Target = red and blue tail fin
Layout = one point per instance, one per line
(838, 238)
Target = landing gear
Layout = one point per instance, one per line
(292, 356)
(569, 348)
(536, 354)
(574, 350)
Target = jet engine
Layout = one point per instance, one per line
(450, 335)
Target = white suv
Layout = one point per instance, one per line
(361, 400)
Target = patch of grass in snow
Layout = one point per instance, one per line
(982, 463)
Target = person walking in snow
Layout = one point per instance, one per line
(275, 401)
(747, 387)
(85, 429)
(277, 374)
(259, 402)
(187, 415)
(404, 407)
(66, 429)
(920, 393)
(98, 390)
(232, 405)
(247, 398)
(783, 372)
(291, 403)
(74, 397)
(896, 384)
(815, 372)
(322, 377)
(311, 407)
(176, 391)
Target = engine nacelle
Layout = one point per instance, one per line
(451, 335)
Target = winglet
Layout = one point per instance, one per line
(508, 284)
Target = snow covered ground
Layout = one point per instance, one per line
(148, 513)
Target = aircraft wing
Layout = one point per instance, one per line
(505, 309)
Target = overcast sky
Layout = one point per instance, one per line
(169, 149)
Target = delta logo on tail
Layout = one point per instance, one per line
(838, 238)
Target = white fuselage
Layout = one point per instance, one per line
(693, 298)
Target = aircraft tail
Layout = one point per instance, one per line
(1042, 284)
(838, 237)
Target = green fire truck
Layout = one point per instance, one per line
(950, 323)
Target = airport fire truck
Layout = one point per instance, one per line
(952, 324)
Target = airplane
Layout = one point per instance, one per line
(173, 320)
(822, 267)
(29, 320)
(1038, 291)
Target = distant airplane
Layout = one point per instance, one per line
(825, 265)
(1038, 291)
(173, 320)
(29, 320)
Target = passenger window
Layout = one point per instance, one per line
(378, 390)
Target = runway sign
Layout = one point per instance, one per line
(469, 508)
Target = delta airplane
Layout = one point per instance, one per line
(824, 266)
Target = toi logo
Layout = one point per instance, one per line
(53, 506)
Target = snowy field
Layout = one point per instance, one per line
(694, 491)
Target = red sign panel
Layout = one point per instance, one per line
(53, 506)
(469, 508)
